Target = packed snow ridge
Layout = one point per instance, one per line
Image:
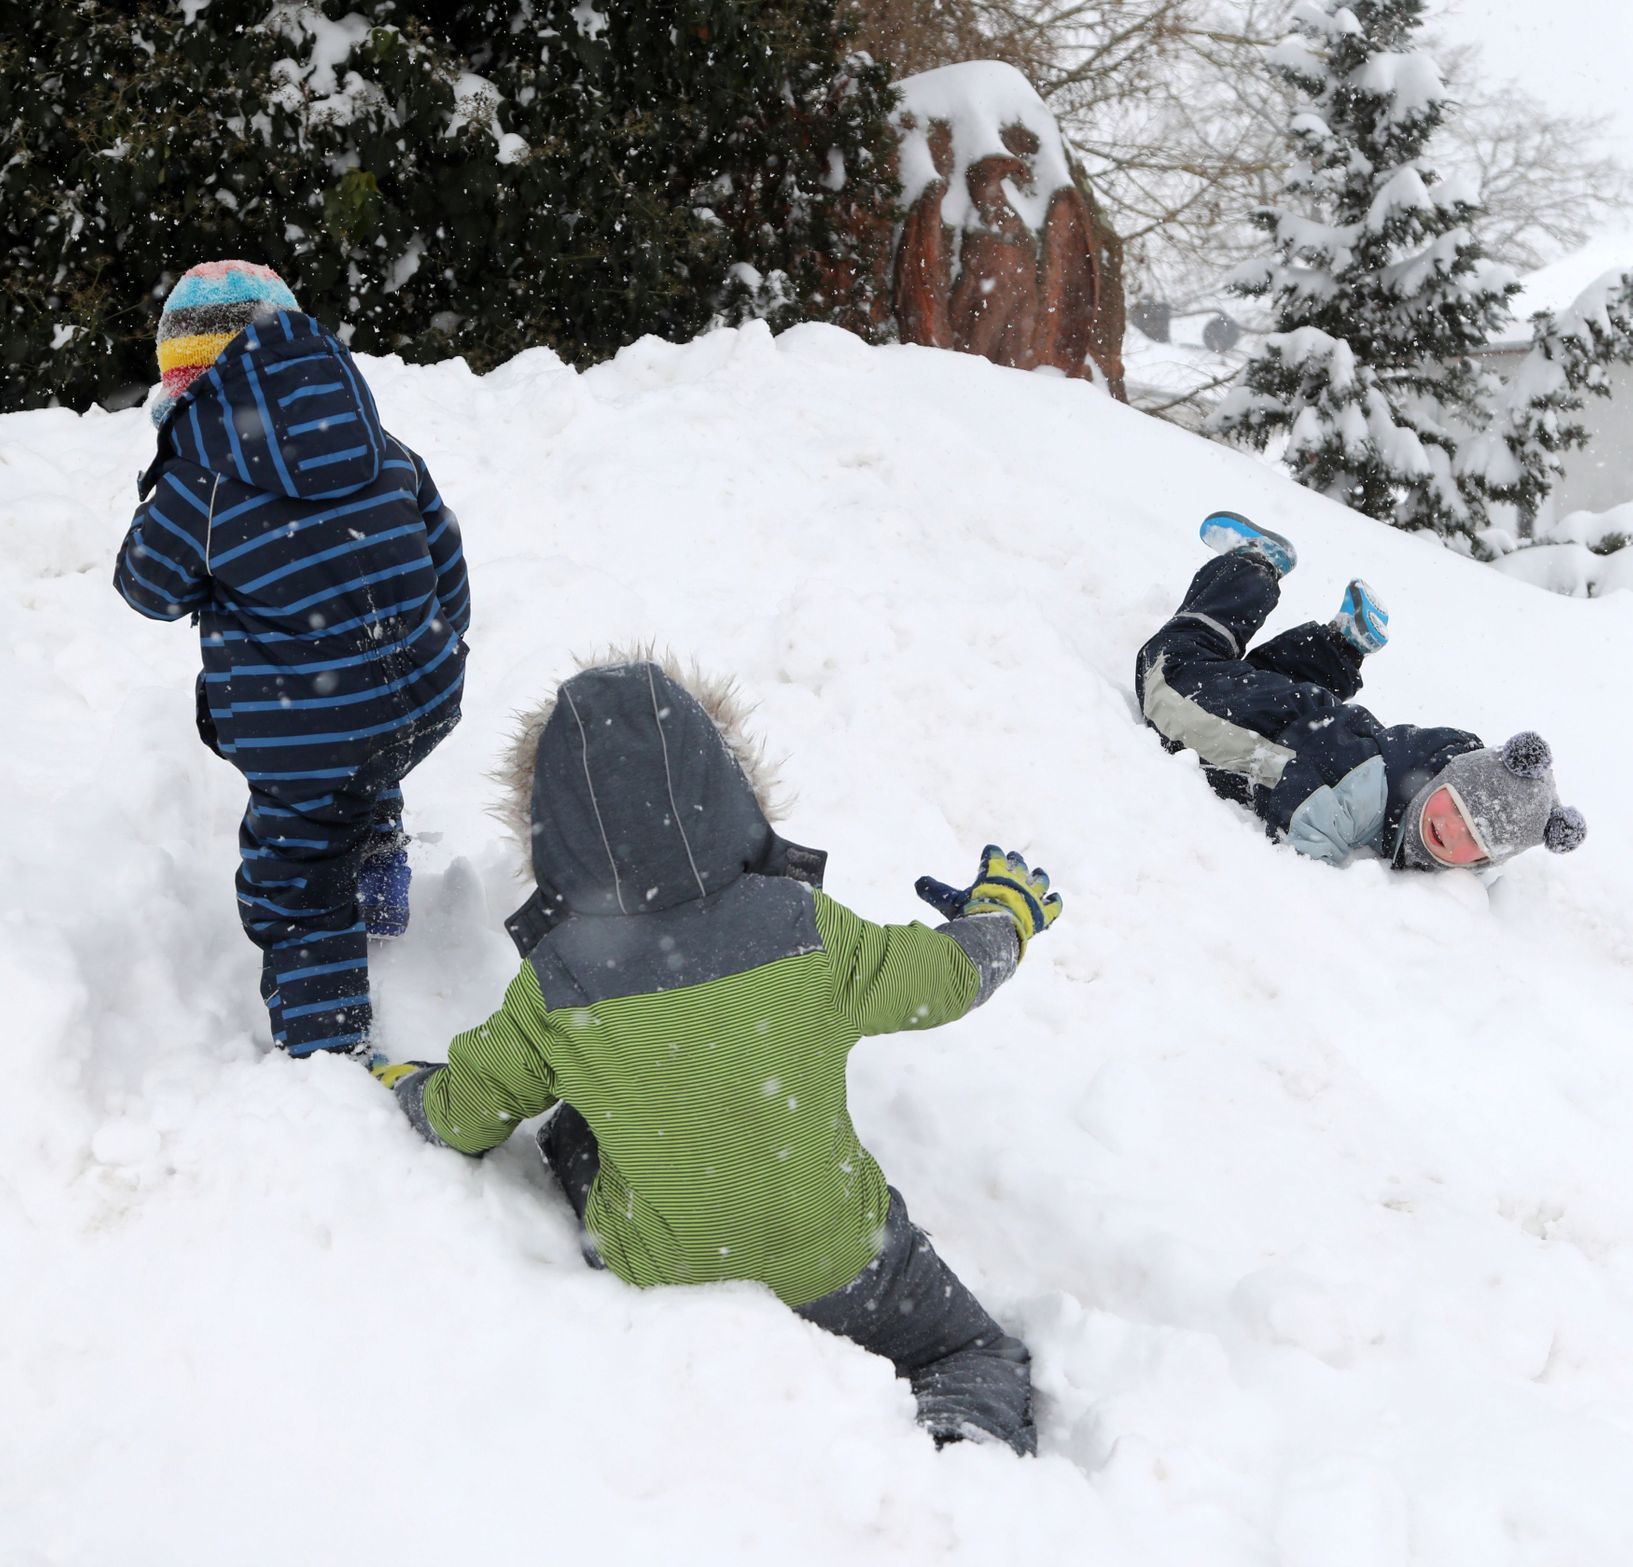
(1308, 1188)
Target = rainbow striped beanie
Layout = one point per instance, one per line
(209, 306)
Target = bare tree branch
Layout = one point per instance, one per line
(1192, 398)
(1546, 181)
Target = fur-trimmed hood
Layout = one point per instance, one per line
(636, 788)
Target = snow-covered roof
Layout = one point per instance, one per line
(1558, 285)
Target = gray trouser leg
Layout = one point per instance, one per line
(909, 1306)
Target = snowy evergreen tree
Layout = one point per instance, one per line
(1379, 288)
(434, 178)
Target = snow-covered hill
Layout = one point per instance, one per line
(1310, 1189)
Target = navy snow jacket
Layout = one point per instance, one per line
(1273, 724)
(326, 575)
(1348, 778)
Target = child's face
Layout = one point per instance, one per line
(1446, 832)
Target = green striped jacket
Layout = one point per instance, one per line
(727, 1150)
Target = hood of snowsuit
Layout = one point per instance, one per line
(284, 410)
(638, 804)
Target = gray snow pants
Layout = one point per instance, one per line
(968, 1375)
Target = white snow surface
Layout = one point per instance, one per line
(1308, 1188)
(1411, 83)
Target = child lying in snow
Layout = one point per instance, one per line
(329, 587)
(1275, 729)
(690, 998)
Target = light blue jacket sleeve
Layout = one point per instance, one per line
(1340, 818)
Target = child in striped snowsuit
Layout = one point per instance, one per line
(328, 584)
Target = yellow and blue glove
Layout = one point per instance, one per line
(407, 1081)
(391, 1073)
(1003, 885)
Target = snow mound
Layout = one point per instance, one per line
(1573, 567)
(1308, 1188)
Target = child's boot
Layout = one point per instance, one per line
(382, 893)
(1229, 533)
(1362, 620)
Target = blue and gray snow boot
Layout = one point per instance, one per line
(1361, 620)
(1229, 533)
(382, 893)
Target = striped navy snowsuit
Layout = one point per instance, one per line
(329, 587)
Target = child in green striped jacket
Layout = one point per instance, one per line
(687, 1001)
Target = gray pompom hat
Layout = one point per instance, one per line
(1509, 799)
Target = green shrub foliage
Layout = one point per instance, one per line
(433, 179)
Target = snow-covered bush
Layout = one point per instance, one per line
(1379, 286)
(436, 179)
(1566, 565)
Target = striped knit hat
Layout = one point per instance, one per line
(209, 306)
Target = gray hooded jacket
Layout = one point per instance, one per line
(656, 866)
